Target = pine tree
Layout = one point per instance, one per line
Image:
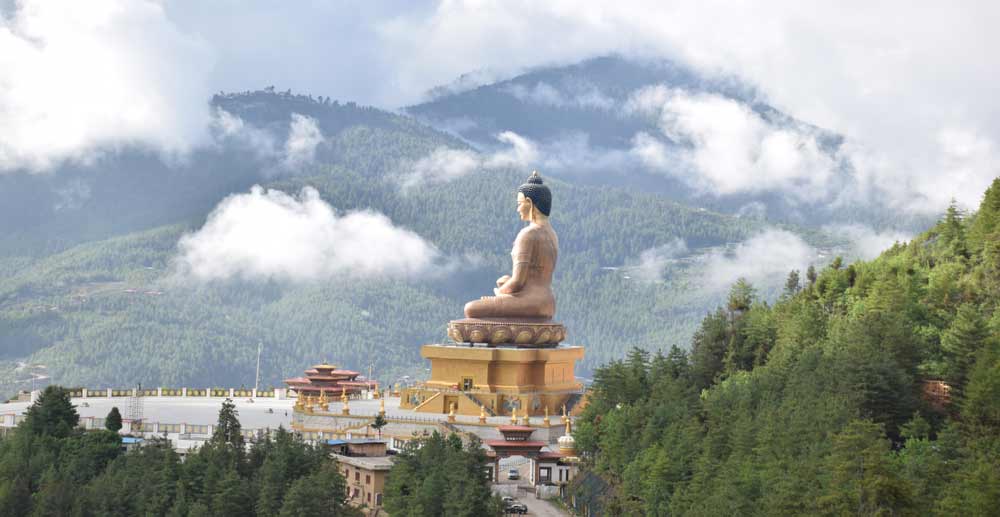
(961, 342)
(379, 423)
(52, 414)
(792, 283)
(741, 296)
(113, 422)
(987, 221)
(321, 493)
(953, 231)
(232, 498)
(862, 478)
(228, 430)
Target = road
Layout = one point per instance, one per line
(525, 493)
(542, 508)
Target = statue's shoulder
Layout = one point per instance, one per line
(531, 232)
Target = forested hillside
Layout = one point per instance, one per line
(49, 466)
(113, 310)
(827, 402)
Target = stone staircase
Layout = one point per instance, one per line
(488, 411)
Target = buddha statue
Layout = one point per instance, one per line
(527, 291)
(522, 306)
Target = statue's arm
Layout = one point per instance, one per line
(516, 282)
(521, 256)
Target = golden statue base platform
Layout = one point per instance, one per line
(503, 331)
(495, 380)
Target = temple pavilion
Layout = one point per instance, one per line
(327, 378)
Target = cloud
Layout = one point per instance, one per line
(649, 267)
(887, 75)
(867, 243)
(521, 152)
(229, 129)
(440, 166)
(542, 93)
(724, 147)
(445, 164)
(571, 153)
(764, 259)
(79, 78)
(912, 87)
(268, 234)
(303, 137)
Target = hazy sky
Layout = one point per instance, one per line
(913, 85)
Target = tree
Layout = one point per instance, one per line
(741, 296)
(113, 422)
(981, 398)
(379, 423)
(228, 430)
(436, 476)
(961, 342)
(953, 231)
(52, 414)
(232, 498)
(322, 493)
(862, 478)
(811, 274)
(792, 283)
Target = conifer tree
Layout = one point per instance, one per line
(52, 414)
(953, 231)
(792, 283)
(961, 342)
(228, 430)
(987, 220)
(379, 423)
(862, 478)
(113, 422)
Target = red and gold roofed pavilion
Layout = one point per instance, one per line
(326, 378)
(547, 466)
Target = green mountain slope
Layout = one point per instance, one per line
(113, 311)
(827, 402)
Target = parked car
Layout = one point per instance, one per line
(518, 508)
(508, 500)
(513, 474)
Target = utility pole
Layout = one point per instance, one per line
(256, 380)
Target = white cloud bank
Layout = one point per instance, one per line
(571, 152)
(303, 138)
(445, 164)
(911, 86)
(579, 96)
(299, 149)
(867, 243)
(267, 234)
(649, 267)
(80, 76)
(764, 259)
(727, 148)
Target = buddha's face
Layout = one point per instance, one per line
(524, 206)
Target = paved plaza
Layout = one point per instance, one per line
(261, 413)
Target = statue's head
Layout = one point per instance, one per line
(537, 193)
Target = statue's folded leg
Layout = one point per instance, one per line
(501, 307)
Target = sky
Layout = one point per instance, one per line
(912, 86)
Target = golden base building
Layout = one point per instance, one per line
(497, 380)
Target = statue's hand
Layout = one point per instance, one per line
(502, 280)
